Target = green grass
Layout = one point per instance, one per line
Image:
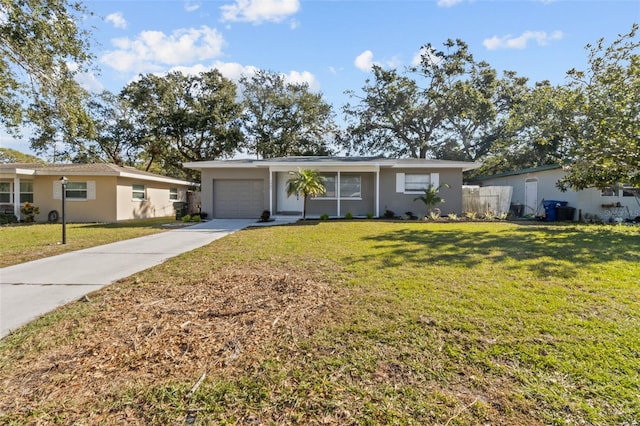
(25, 242)
(457, 324)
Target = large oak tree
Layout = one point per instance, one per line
(42, 48)
(284, 118)
(182, 118)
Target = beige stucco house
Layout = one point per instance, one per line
(360, 186)
(95, 192)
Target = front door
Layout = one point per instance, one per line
(286, 204)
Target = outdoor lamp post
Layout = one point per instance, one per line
(63, 181)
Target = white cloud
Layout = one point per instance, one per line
(303, 77)
(86, 79)
(190, 6)
(258, 11)
(417, 58)
(448, 3)
(234, 71)
(364, 61)
(117, 20)
(231, 70)
(152, 51)
(521, 41)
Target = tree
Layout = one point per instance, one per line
(8, 155)
(184, 118)
(42, 50)
(284, 119)
(398, 117)
(536, 131)
(306, 182)
(604, 135)
(116, 137)
(431, 197)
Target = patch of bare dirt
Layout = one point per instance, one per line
(148, 333)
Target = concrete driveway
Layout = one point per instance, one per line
(32, 289)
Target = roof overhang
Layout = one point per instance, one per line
(326, 164)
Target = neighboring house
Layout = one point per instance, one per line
(532, 186)
(95, 192)
(356, 185)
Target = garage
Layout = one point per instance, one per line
(238, 198)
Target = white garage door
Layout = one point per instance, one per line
(238, 198)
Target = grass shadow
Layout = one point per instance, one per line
(542, 249)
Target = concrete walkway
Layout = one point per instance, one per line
(31, 289)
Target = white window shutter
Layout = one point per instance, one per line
(91, 190)
(399, 182)
(435, 180)
(57, 190)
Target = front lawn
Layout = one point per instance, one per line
(358, 322)
(25, 242)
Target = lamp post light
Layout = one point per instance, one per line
(63, 181)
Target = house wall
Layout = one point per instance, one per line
(155, 204)
(400, 203)
(100, 209)
(208, 175)
(588, 200)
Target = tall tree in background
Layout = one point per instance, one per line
(8, 155)
(398, 117)
(184, 118)
(41, 50)
(480, 113)
(283, 118)
(116, 138)
(604, 136)
(535, 133)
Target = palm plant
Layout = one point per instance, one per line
(431, 197)
(306, 182)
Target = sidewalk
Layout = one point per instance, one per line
(32, 289)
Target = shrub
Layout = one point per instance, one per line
(196, 218)
(7, 218)
(409, 216)
(471, 215)
(265, 216)
(348, 215)
(369, 215)
(324, 217)
(389, 214)
(452, 216)
(489, 215)
(503, 216)
(29, 211)
(186, 218)
(434, 215)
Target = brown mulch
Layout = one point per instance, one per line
(148, 333)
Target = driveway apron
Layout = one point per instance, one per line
(32, 289)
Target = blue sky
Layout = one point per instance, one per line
(331, 44)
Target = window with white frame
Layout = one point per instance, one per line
(76, 191)
(350, 186)
(416, 182)
(329, 182)
(138, 193)
(629, 190)
(26, 191)
(5, 192)
(173, 193)
(609, 191)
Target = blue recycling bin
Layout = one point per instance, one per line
(550, 209)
